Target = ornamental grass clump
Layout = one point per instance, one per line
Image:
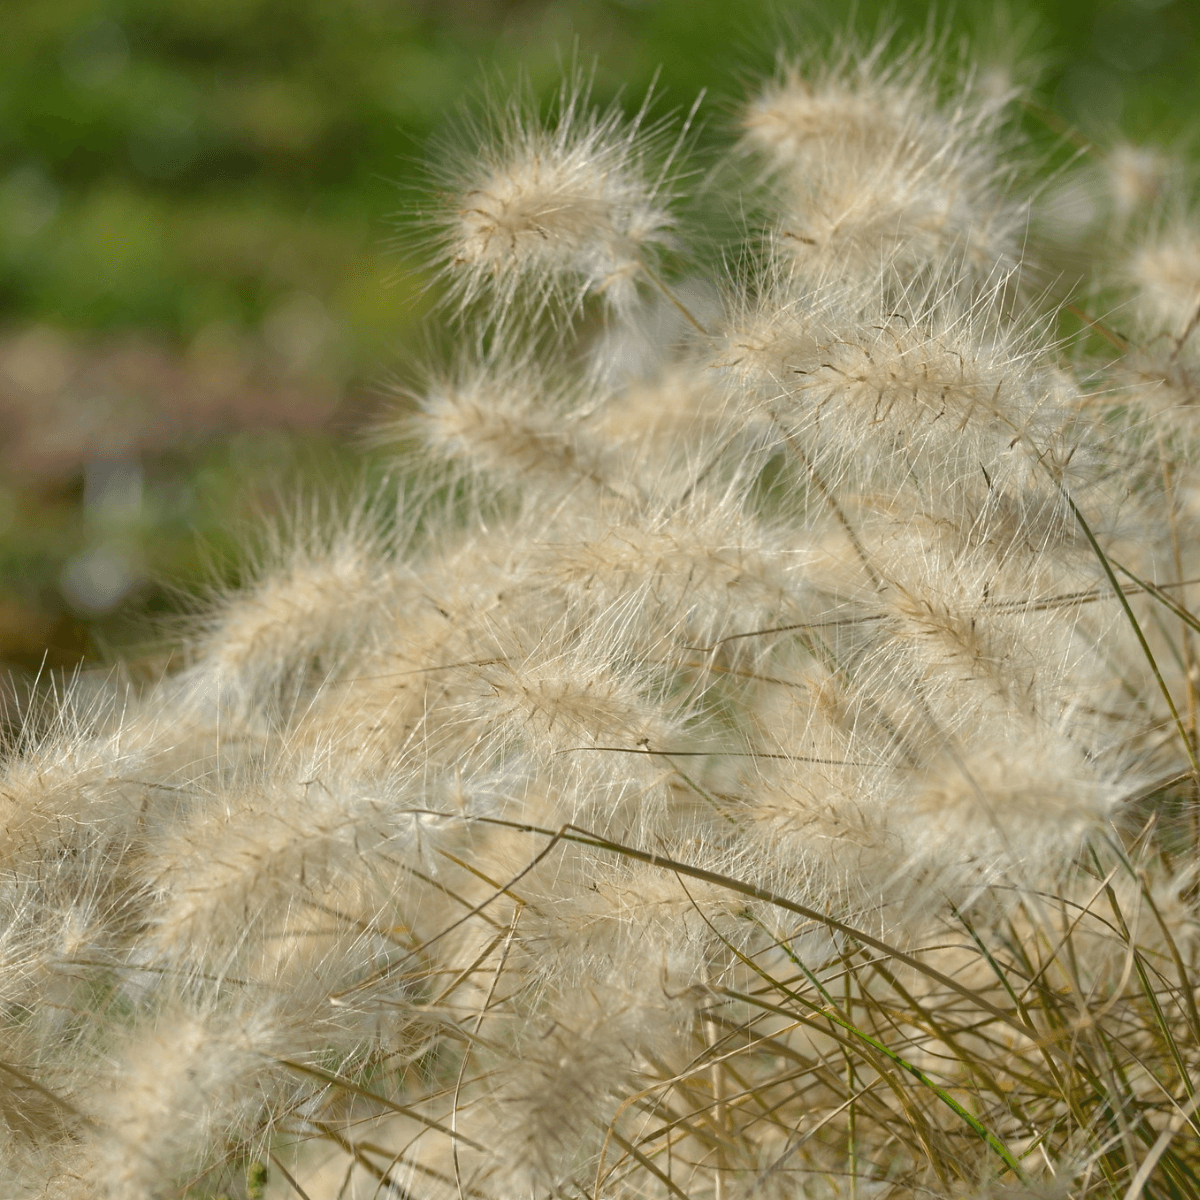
(750, 752)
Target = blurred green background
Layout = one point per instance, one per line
(206, 285)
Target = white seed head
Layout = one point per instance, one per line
(873, 173)
(1165, 270)
(568, 206)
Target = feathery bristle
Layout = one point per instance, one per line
(569, 205)
(748, 749)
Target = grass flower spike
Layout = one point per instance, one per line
(746, 750)
(568, 206)
(871, 169)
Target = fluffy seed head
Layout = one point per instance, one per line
(507, 422)
(1166, 272)
(871, 172)
(570, 206)
(504, 846)
(1136, 176)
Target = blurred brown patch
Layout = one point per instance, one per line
(64, 403)
(75, 410)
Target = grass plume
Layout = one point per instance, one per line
(750, 753)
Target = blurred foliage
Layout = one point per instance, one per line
(205, 275)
